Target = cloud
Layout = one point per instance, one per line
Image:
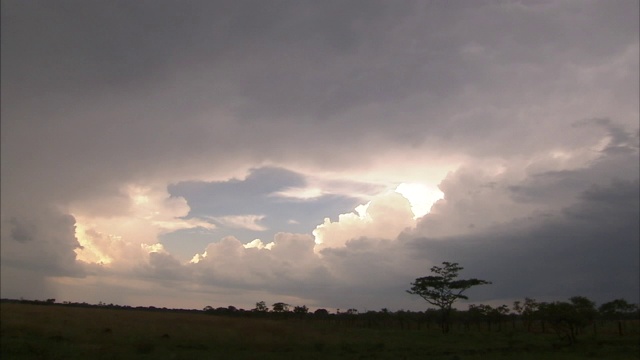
(253, 207)
(299, 193)
(276, 117)
(162, 266)
(149, 213)
(385, 216)
(250, 222)
(288, 261)
(554, 255)
(45, 240)
(564, 231)
(256, 243)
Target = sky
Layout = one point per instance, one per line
(186, 154)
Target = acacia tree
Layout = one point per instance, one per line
(280, 307)
(443, 289)
(568, 318)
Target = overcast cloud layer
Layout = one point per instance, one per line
(193, 153)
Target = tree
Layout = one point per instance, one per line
(321, 312)
(301, 310)
(527, 311)
(443, 289)
(568, 318)
(478, 313)
(619, 310)
(280, 307)
(261, 306)
(499, 314)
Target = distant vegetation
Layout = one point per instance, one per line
(528, 329)
(531, 330)
(528, 315)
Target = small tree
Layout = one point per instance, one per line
(568, 318)
(499, 314)
(321, 312)
(528, 311)
(618, 310)
(443, 289)
(280, 307)
(261, 306)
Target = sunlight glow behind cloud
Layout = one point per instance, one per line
(385, 216)
(258, 244)
(421, 197)
(89, 252)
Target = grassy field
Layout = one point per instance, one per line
(64, 332)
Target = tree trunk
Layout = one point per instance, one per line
(445, 320)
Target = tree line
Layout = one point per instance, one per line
(568, 319)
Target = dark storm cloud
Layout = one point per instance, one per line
(622, 140)
(130, 90)
(589, 248)
(579, 234)
(135, 88)
(43, 241)
(618, 160)
(71, 46)
(20, 232)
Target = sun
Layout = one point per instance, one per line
(421, 197)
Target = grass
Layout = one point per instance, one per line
(62, 332)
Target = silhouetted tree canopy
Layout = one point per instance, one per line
(443, 289)
(280, 307)
(261, 306)
(567, 318)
